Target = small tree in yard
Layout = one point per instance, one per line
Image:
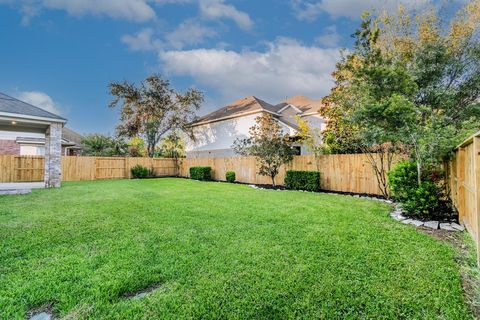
(172, 146)
(153, 109)
(268, 145)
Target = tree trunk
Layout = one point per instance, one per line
(273, 180)
(419, 172)
(150, 150)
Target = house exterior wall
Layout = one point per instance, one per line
(316, 121)
(9, 147)
(8, 144)
(216, 139)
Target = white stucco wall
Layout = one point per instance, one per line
(315, 121)
(221, 135)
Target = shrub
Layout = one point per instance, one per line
(402, 179)
(230, 176)
(302, 180)
(201, 173)
(139, 172)
(424, 201)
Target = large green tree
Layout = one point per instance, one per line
(153, 109)
(411, 83)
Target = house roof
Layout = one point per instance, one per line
(71, 136)
(251, 104)
(304, 104)
(14, 106)
(238, 108)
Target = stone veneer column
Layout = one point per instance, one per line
(53, 155)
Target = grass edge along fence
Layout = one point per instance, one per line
(463, 178)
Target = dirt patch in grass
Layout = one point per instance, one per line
(46, 308)
(466, 258)
(142, 293)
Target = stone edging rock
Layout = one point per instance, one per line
(396, 214)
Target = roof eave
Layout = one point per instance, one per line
(29, 119)
(196, 124)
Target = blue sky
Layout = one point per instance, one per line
(61, 54)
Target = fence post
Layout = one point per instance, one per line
(126, 162)
(460, 183)
(476, 169)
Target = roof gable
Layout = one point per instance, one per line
(304, 104)
(11, 105)
(238, 108)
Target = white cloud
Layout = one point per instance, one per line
(189, 33)
(217, 9)
(39, 99)
(133, 10)
(141, 41)
(330, 38)
(309, 10)
(285, 68)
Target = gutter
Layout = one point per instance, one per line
(30, 119)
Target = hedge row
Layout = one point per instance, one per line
(201, 173)
(302, 180)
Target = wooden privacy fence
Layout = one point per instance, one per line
(338, 172)
(31, 168)
(21, 168)
(98, 168)
(464, 181)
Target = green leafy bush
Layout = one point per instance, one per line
(402, 179)
(201, 173)
(230, 176)
(424, 201)
(302, 180)
(139, 172)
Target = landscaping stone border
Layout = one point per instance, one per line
(397, 214)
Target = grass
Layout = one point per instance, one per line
(217, 250)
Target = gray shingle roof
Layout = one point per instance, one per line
(238, 108)
(11, 105)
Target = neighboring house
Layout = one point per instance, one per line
(216, 132)
(22, 120)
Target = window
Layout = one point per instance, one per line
(32, 150)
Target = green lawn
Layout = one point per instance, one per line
(217, 250)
